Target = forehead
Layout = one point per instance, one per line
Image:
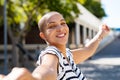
(54, 18)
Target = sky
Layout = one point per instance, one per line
(112, 9)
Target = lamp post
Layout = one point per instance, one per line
(5, 40)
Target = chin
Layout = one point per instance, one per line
(62, 44)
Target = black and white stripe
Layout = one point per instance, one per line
(67, 70)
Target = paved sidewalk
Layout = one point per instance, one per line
(105, 65)
(100, 72)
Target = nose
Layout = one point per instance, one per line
(59, 28)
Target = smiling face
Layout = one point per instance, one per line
(56, 30)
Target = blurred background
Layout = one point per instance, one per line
(20, 44)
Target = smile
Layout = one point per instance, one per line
(61, 35)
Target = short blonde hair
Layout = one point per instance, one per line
(42, 22)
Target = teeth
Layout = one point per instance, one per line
(61, 35)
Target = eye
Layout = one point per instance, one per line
(52, 25)
(63, 23)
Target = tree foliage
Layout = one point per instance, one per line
(20, 10)
(30, 11)
(94, 7)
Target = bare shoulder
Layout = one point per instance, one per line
(49, 59)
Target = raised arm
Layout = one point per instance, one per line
(82, 54)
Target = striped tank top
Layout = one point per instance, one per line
(66, 70)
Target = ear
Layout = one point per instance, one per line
(41, 34)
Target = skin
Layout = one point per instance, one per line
(18, 74)
(56, 34)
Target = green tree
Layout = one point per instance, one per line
(94, 7)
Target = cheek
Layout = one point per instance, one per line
(67, 29)
(49, 34)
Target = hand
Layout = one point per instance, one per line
(1, 76)
(104, 30)
(105, 27)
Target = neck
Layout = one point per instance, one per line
(62, 49)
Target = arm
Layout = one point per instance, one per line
(18, 74)
(47, 69)
(82, 54)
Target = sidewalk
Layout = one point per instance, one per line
(105, 65)
(100, 71)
